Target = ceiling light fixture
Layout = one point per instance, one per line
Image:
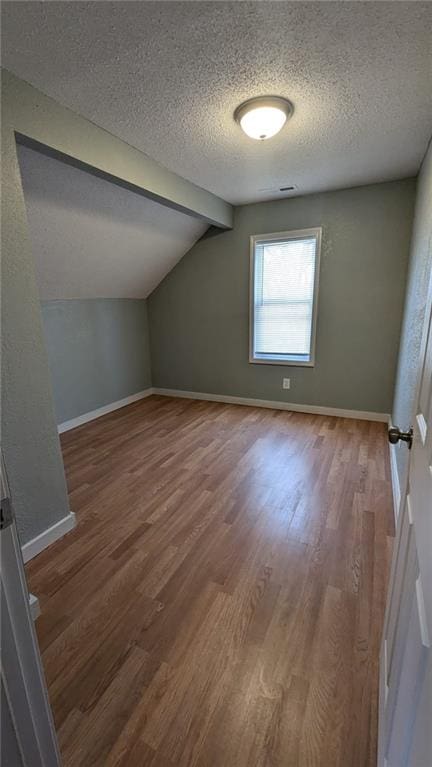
(264, 116)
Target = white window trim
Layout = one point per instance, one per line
(275, 237)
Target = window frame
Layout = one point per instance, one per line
(293, 234)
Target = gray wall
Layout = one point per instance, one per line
(29, 435)
(419, 267)
(199, 313)
(98, 352)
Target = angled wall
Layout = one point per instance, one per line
(99, 250)
(94, 239)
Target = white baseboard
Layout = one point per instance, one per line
(395, 481)
(86, 417)
(275, 405)
(53, 533)
(34, 605)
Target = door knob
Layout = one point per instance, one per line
(395, 434)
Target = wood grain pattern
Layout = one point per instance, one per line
(220, 603)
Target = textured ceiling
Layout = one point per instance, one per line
(91, 238)
(166, 77)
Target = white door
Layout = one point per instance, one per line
(28, 737)
(405, 726)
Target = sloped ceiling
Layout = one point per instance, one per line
(167, 76)
(94, 239)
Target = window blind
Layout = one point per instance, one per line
(283, 297)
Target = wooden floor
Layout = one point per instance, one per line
(221, 600)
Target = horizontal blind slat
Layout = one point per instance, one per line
(283, 296)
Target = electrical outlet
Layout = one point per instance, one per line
(286, 383)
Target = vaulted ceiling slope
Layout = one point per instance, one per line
(94, 239)
(167, 76)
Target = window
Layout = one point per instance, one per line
(284, 291)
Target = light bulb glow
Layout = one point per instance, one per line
(263, 122)
(262, 117)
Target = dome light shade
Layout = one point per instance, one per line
(263, 117)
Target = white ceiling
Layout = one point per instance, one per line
(93, 239)
(166, 77)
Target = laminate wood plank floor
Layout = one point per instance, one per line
(221, 600)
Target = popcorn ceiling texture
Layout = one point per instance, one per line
(166, 77)
(92, 239)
